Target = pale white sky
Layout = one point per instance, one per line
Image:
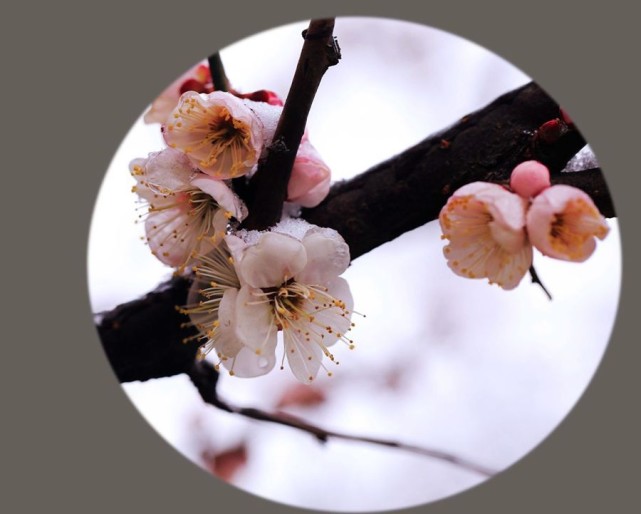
(441, 361)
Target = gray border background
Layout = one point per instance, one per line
(75, 77)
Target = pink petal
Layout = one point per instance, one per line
(310, 179)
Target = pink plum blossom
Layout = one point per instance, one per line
(310, 179)
(221, 134)
(187, 211)
(290, 283)
(529, 178)
(197, 78)
(485, 226)
(563, 222)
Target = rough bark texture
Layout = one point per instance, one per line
(142, 339)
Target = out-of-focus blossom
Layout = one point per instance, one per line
(262, 95)
(310, 179)
(187, 211)
(292, 285)
(196, 79)
(529, 178)
(563, 222)
(485, 226)
(221, 134)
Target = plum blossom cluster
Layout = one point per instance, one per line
(492, 231)
(248, 287)
(257, 285)
(212, 137)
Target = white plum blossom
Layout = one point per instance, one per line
(187, 211)
(261, 283)
(222, 135)
(563, 223)
(485, 226)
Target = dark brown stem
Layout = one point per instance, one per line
(217, 70)
(269, 185)
(205, 378)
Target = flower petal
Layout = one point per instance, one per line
(255, 325)
(223, 195)
(162, 228)
(327, 257)
(246, 364)
(272, 261)
(219, 133)
(304, 357)
(563, 222)
(485, 226)
(168, 171)
(227, 343)
(332, 311)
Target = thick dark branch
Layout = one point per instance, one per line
(142, 338)
(205, 379)
(409, 190)
(268, 187)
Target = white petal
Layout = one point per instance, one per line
(168, 171)
(247, 364)
(224, 196)
(327, 257)
(272, 261)
(304, 357)
(255, 326)
(227, 343)
(331, 321)
(162, 228)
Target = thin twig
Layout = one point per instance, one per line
(205, 378)
(217, 70)
(536, 280)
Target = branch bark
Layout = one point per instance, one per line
(142, 338)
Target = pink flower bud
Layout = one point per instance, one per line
(529, 178)
(310, 179)
(563, 221)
